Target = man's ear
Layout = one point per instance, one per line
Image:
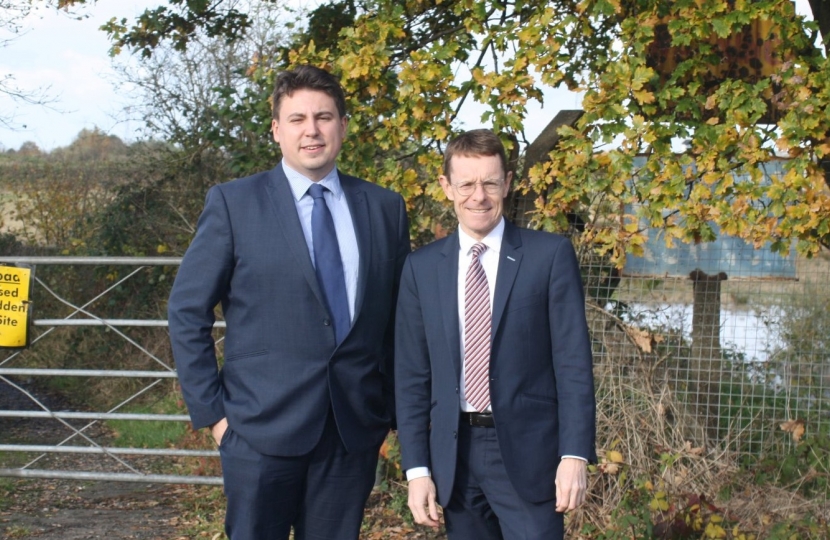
(445, 185)
(508, 181)
(275, 130)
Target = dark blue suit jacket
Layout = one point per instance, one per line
(281, 368)
(541, 380)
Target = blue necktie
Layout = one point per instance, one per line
(328, 264)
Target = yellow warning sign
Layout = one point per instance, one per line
(15, 283)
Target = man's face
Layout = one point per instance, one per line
(310, 132)
(480, 211)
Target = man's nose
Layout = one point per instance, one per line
(311, 127)
(478, 191)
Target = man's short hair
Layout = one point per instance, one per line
(476, 142)
(307, 78)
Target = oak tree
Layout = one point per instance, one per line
(408, 67)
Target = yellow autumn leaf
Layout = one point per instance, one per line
(715, 531)
(695, 451)
(659, 504)
(795, 428)
(641, 338)
(643, 96)
(609, 468)
(711, 102)
(614, 457)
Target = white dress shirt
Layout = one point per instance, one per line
(490, 261)
(343, 225)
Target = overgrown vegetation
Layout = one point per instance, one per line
(663, 475)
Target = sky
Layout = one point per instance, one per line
(69, 58)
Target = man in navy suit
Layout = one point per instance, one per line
(303, 399)
(494, 384)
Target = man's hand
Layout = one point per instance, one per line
(422, 501)
(571, 484)
(218, 430)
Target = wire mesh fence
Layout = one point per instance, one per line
(738, 363)
(720, 345)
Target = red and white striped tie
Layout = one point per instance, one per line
(477, 325)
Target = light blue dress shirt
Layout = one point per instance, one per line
(343, 225)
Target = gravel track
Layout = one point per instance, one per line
(58, 509)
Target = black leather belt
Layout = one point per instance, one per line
(478, 419)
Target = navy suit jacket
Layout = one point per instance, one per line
(282, 370)
(541, 380)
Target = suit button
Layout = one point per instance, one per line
(456, 389)
(327, 322)
(454, 434)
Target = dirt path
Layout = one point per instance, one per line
(48, 509)
(56, 509)
(71, 510)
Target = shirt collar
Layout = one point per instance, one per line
(299, 184)
(492, 240)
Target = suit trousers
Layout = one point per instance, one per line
(484, 504)
(321, 494)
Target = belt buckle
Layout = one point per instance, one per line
(481, 420)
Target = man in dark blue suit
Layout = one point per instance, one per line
(305, 262)
(494, 384)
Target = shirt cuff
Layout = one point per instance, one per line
(572, 457)
(417, 472)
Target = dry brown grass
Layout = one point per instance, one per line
(664, 454)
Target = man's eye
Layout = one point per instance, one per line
(466, 185)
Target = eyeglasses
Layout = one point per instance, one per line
(491, 187)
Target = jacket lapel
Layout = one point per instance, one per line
(447, 277)
(510, 259)
(358, 207)
(289, 222)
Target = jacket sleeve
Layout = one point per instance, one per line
(412, 375)
(572, 359)
(388, 369)
(200, 284)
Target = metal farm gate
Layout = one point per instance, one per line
(740, 365)
(126, 464)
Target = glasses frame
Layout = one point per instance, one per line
(490, 187)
